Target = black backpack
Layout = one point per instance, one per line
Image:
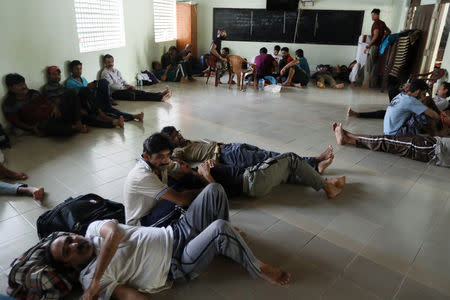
(75, 215)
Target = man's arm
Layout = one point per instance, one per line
(376, 32)
(432, 114)
(187, 56)
(111, 235)
(180, 198)
(387, 31)
(213, 50)
(123, 292)
(292, 63)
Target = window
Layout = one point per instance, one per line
(100, 24)
(165, 20)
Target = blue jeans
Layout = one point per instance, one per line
(10, 188)
(102, 101)
(245, 155)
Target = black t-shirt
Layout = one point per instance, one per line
(230, 177)
(218, 43)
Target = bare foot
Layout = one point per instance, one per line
(333, 186)
(298, 85)
(339, 132)
(320, 85)
(274, 275)
(184, 80)
(38, 194)
(338, 86)
(84, 129)
(119, 122)
(325, 154)
(167, 96)
(365, 87)
(321, 167)
(286, 83)
(351, 113)
(139, 117)
(166, 90)
(15, 175)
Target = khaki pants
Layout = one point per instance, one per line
(370, 68)
(259, 180)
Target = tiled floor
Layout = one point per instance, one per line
(387, 236)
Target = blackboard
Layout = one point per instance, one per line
(337, 27)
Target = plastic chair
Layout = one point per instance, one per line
(237, 63)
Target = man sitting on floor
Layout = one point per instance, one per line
(406, 115)
(95, 97)
(167, 74)
(234, 154)
(173, 61)
(121, 90)
(265, 66)
(285, 58)
(28, 110)
(422, 148)
(323, 76)
(122, 262)
(298, 72)
(442, 94)
(190, 62)
(53, 88)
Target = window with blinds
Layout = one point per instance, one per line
(100, 24)
(165, 20)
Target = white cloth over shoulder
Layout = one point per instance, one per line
(361, 58)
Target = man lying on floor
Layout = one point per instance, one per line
(234, 154)
(422, 148)
(122, 262)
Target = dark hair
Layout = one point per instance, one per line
(107, 56)
(226, 49)
(376, 11)
(418, 84)
(299, 53)
(172, 48)
(263, 50)
(13, 79)
(154, 64)
(285, 49)
(447, 87)
(156, 143)
(168, 130)
(277, 47)
(73, 64)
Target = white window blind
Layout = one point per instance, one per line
(100, 24)
(165, 20)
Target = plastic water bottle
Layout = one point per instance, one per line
(139, 79)
(261, 84)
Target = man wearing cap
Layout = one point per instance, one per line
(29, 110)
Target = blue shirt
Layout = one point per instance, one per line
(304, 65)
(401, 109)
(74, 84)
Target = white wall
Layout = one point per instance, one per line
(316, 54)
(399, 14)
(36, 34)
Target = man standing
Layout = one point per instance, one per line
(378, 32)
(215, 50)
(121, 90)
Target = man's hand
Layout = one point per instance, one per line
(283, 71)
(92, 291)
(129, 86)
(92, 85)
(212, 163)
(365, 50)
(56, 113)
(204, 169)
(224, 59)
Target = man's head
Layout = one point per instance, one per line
(76, 68)
(188, 48)
(285, 52)
(172, 51)
(222, 34)
(299, 53)
(174, 136)
(225, 51)
(108, 61)
(443, 90)
(276, 49)
(157, 151)
(375, 14)
(54, 74)
(156, 65)
(263, 50)
(16, 84)
(69, 251)
(418, 88)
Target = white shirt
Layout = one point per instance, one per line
(142, 260)
(116, 82)
(142, 190)
(441, 103)
(277, 57)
